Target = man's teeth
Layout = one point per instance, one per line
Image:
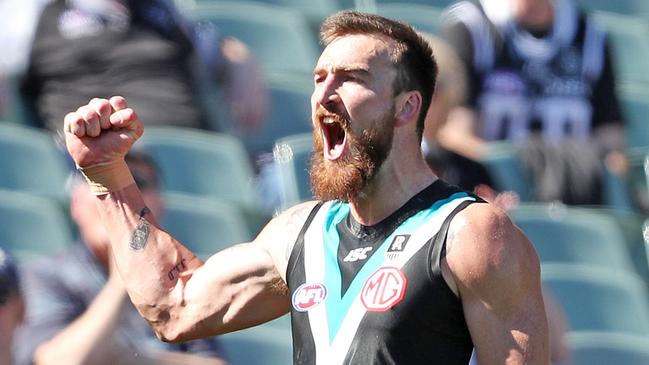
(328, 120)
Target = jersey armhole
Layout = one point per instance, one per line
(299, 241)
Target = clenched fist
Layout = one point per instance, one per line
(101, 132)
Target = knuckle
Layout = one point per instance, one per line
(129, 113)
(87, 113)
(71, 117)
(100, 104)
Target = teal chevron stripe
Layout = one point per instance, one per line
(337, 306)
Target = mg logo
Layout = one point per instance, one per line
(308, 296)
(385, 288)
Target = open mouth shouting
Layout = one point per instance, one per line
(333, 136)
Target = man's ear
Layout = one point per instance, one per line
(408, 107)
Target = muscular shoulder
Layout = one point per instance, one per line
(279, 236)
(487, 252)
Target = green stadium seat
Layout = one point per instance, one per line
(16, 109)
(293, 158)
(599, 299)
(638, 179)
(205, 226)
(202, 163)
(435, 3)
(573, 235)
(628, 7)
(502, 161)
(630, 49)
(32, 226)
(30, 161)
(279, 37)
(290, 113)
(634, 105)
(616, 191)
(314, 10)
(598, 348)
(423, 17)
(261, 345)
(630, 223)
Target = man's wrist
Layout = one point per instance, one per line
(107, 177)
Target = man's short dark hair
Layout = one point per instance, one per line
(413, 57)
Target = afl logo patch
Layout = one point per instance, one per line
(384, 289)
(308, 296)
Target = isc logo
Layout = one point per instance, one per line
(385, 288)
(308, 296)
(357, 254)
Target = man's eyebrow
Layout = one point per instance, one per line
(362, 69)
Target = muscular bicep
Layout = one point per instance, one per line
(236, 288)
(497, 275)
(244, 285)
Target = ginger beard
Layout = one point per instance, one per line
(346, 177)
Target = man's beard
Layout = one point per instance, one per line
(346, 178)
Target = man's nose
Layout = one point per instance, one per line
(326, 93)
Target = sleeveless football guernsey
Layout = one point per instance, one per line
(375, 294)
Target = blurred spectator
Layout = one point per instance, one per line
(12, 308)
(145, 51)
(77, 308)
(540, 75)
(16, 32)
(455, 167)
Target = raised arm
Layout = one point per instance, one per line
(182, 297)
(495, 271)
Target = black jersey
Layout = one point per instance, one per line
(375, 294)
(559, 84)
(142, 53)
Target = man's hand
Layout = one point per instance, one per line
(101, 132)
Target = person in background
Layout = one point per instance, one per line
(145, 50)
(455, 166)
(77, 308)
(12, 306)
(471, 175)
(541, 77)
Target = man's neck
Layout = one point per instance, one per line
(396, 182)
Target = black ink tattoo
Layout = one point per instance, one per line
(140, 236)
(177, 269)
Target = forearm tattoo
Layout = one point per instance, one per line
(140, 236)
(176, 270)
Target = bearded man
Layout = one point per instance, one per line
(390, 265)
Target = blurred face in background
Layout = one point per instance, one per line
(533, 13)
(83, 208)
(450, 90)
